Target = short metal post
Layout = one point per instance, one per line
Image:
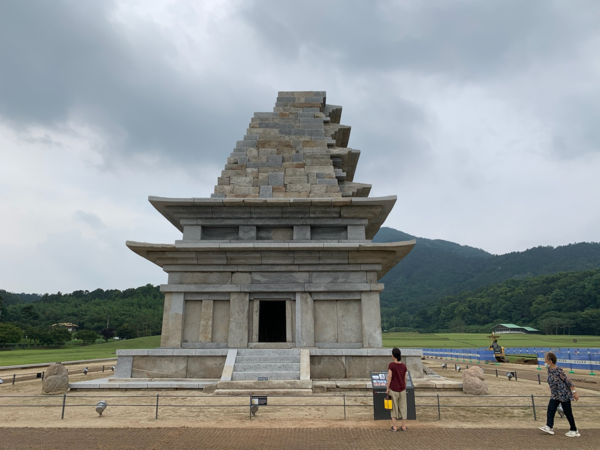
(496, 373)
(533, 404)
(516, 378)
(43, 373)
(156, 416)
(439, 412)
(344, 406)
(250, 408)
(102, 368)
(14, 376)
(63, 407)
(539, 381)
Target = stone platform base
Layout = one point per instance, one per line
(133, 383)
(244, 364)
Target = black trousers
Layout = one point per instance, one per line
(553, 406)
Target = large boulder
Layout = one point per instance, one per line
(56, 380)
(474, 381)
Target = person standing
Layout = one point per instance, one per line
(396, 389)
(562, 392)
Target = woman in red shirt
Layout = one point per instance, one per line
(396, 388)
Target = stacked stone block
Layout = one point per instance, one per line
(293, 152)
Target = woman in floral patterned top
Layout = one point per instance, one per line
(562, 392)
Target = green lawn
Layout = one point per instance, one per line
(74, 352)
(472, 340)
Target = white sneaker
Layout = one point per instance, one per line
(573, 434)
(547, 429)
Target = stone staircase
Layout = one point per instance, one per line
(274, 364)
(281, 367)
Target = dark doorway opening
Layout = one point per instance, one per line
(271, 321)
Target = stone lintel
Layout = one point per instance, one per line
(273, 287)
(272, 268)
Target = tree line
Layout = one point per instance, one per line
(563, 303)
(131, 313)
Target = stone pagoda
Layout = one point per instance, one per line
(275, 275)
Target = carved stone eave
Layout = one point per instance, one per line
(177, 209)
(386, 254)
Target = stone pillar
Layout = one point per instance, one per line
(305, 320)
(206, 321)
(371, 320)
(289, 323)
(238, 320)
(172, 330)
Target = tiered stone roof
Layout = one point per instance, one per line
(300, 150)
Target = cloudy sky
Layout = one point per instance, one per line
(482, 117)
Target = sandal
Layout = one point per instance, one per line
(403, 429)
(392, 429)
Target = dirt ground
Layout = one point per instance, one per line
(137, 409)
(331, 438)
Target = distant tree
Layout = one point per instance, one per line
(87, 336)
(35, 334)
(126, 332)
(60, 335)
(1, 306)
(10, 334)
(30, 315)
(44, 337)
(107, 333)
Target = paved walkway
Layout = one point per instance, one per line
(288, 438)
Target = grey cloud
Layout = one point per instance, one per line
(467, 39)
(66, 60)
(89, 218)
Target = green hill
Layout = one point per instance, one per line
(436, 269)
(563, 303)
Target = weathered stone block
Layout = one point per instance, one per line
(265, 191)
(276, 178)
(241, 181)
(327, 367)
(279, 277)
(205, 366)
(361, 366)
(301, 232)
(349, 328)
(247, 233)
(159, 367)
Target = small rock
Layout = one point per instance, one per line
(474, 382)
(56, 380)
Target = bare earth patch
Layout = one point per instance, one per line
(325, 411)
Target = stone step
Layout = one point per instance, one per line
(271, 384)
(262, 352)
(272, 392)
(267, 367)
(271, 375)
(268, 359)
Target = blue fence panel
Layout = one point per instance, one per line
(594, 362)
(540, 357)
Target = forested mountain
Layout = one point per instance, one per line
(561, 303)
(435, 268)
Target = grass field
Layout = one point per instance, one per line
(402, 340)
(472, 340)
(74, 353)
